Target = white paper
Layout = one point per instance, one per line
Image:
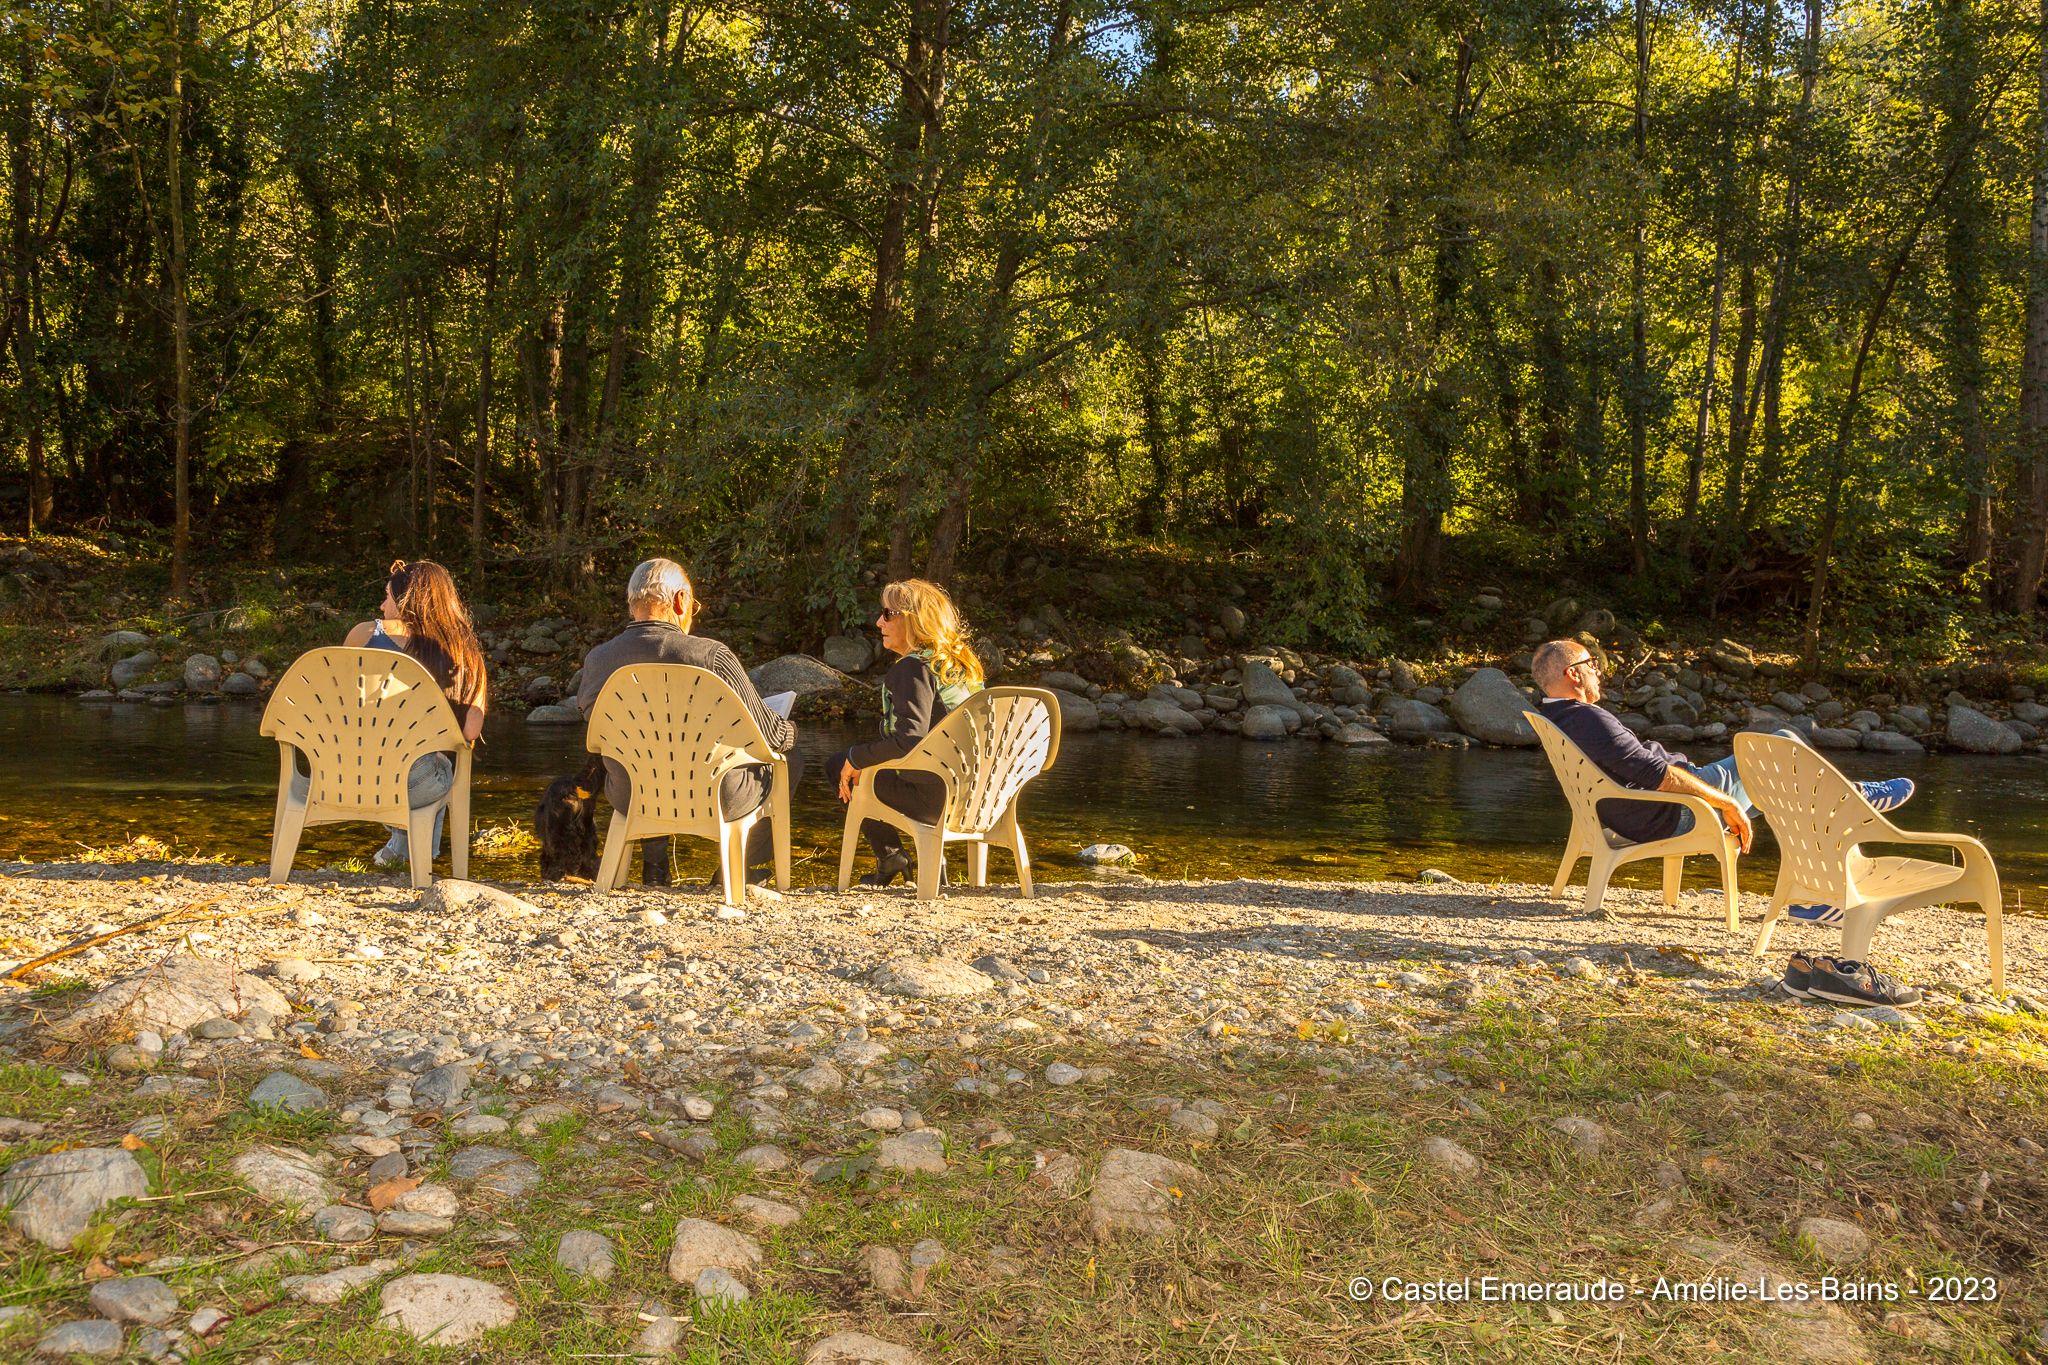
(780, 703)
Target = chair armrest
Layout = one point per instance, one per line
(1962, 843)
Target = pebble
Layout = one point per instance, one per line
(137, 1298)
(719, 1285)
(447, 1310)
(400, 1223)
(919, 1153)
(762, 1157)
(881, 1120)
(283, 1090)
(587, 1253)
(91, 1337)
(477, 1125)
(700, 1243)
(335, 1285)
(340, 1223)
(1448, 1157)
(1840, 1243)
(766, 1212)
(1061, 1073)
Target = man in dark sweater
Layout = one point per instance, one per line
(1570, 678)
(662, 604)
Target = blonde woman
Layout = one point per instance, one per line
(937, 671)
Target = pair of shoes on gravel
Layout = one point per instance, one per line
(1845, 981)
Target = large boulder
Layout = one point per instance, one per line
(554, 714)
(116, 644)
(1976, 733)
(1266, 722)
(50, 1199)
(798, 673)
(1409, 718)
(1731, 658)
(202, 673)
(849, 653)
(1488, 706)
(126, 671)
(173, 995)
(1264, 687)
(1078, 715)
(1161, 717)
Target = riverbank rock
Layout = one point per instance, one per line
(460, 898)
(176, 994)
(1264, 687)
(202, 673)
(446, 1310)
(849, 653)
(798, 673)
(1489, 707)
(930, 978)
(1266, 722)
(125, 671)
(554, 715)
(50, 1199)
(1078, 715)
(1136, 1192)
(1976, 733)
(1886, 742)
(1411, 719)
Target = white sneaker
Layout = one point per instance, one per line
(393, 854)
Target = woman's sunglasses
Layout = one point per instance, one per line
(891, 613)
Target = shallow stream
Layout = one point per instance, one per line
(201, 779)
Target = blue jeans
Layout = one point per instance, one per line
(1723, 777)
(431, 778)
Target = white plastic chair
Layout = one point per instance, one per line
(361, 718)
(677, 730)
(985, 750)
(1585, 786)
(1821, 818)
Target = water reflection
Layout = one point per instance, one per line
(201, 778)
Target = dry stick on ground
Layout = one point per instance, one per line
(182, 914)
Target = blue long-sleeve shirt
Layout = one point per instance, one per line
(1632, 762)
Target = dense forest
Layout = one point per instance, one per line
(1745, 299)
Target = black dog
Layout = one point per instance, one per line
(566, 823)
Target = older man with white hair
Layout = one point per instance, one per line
(663, 606)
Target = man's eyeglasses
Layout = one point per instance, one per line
(1588, 662)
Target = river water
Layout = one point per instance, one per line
(200, 778)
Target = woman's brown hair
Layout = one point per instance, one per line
(436, 623)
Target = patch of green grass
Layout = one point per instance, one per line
(32, 1091)
(274, 1123)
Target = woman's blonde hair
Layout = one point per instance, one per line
(934, 623)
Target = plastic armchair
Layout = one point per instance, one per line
(985, 750)
(677, 730)
(360, 718)
(1586, 786)
(1821, 819)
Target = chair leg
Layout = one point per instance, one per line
(1730, 887)
(1674, 875)
(1771, 918)
(1994, 934)
(931, 861)
(1023, 858)
(284, 837)
(1858, 929)
(611, 869)
(1572, 854)
(977, 863)
(1596, 882)
(732, 859)
(849, 838)
(458, 820)
(419, 837)
(780, 831)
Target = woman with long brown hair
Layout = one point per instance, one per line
(423, 616)
(937, 671)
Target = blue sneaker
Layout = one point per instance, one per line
(1889, 794)
(1815, 914)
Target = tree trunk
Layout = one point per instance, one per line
(1964, 258)
(1710, 371)
(480, 472)
(1638, 316)
(2033, 455)
(24, 231)
(181, 318)
(1426, 457)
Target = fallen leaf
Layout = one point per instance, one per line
(132, 1143)
(97, 1269)
(306, 1051)
(385, 1195)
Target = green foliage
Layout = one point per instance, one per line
(808, 294)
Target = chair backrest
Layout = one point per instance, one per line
(987, 748)
(1818, 815)
(361, 717)
(676, 730)
(1585, 785)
